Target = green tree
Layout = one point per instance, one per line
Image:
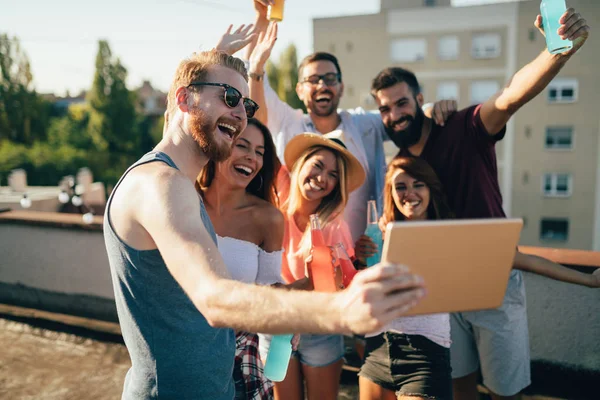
(48, 163)
(101, 134)
(113, 124)
(23, 113)
(112, 121)
(71, 129)
(288, 77)
(155, 127)
(12, 155)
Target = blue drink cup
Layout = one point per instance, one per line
(278, 357)
(551, 11)
(374, 233)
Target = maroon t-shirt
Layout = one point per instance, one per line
(463, 155)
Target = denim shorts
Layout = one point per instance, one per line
(408, 365)
(313, 350)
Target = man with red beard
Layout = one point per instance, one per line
(463, 155)
(173, 293)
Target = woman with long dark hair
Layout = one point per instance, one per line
(241, 200)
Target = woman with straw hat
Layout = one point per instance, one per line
(323, 173)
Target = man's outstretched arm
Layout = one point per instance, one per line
(172, 218)
(535, 76)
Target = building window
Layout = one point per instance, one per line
(483, 90)
(558, 185)
(486, 45)
(408, 50)
(429, 3)
(563, 90)
(555, 229)
(448, 48)
(559, 137)
(447, 91)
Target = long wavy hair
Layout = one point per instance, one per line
(263, 184)
(420, 170)
(331, 206)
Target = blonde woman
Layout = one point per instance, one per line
(323, 173)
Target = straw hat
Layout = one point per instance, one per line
(333, 140)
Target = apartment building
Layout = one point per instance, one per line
(548, 163)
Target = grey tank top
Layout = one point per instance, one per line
(175, 353)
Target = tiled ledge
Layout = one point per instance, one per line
(53, 219)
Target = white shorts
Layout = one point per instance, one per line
(497, 341)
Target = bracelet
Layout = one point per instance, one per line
(255, 76)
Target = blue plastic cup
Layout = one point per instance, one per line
(278, 357)
(551, 11)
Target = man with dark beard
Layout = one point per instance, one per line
(173, 293)
(463, 155)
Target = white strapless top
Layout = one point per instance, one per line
(247, 262)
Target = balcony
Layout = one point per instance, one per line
(56, 301)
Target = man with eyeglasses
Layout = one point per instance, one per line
(320, 88)
(174, 296)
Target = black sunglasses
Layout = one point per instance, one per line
(329, 79)
(232, 97)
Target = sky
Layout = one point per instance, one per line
(150, 37)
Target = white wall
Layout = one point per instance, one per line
(71, 261)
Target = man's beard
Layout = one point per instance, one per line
(202, 129)
(411, 134)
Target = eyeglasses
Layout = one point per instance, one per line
(329, 79)
(232, 97)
